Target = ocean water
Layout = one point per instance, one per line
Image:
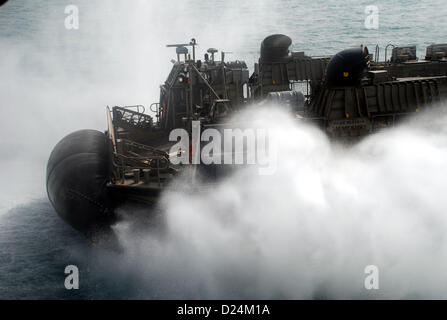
(54, 81)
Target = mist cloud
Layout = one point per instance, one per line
(309, 230)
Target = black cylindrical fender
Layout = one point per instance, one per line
(346, 67)
(77, 173)
(275, 48)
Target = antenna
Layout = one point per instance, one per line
(192, 43)
(212, 51)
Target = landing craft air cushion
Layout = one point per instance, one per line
(349, 95)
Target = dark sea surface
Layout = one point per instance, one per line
(54, 81)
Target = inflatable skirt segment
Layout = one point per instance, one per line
(77, 174)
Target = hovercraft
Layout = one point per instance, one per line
(349, 95)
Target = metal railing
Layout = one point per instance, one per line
(132, 159)
(124, 116)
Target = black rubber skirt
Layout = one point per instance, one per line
(77, 173)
